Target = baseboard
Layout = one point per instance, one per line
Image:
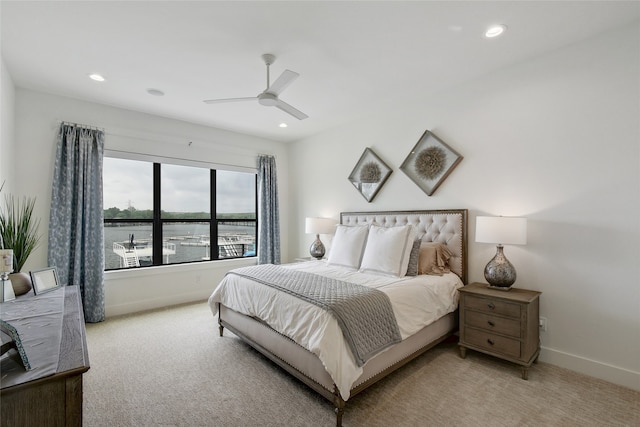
(603, 371)
(153, 303)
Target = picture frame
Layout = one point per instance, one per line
(10, 339)
(430, 162)
(369, 174)
(44, 280)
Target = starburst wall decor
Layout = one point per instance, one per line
(430, 162)
(369, 174)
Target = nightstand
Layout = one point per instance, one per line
(503, 324)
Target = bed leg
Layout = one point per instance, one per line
(339, 404)
(220, 327)
(339, 412)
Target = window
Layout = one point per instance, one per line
(158, 213)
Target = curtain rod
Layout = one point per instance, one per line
(63, 122)
(157, 156)
(190, 142)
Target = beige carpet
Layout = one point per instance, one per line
(169, 368)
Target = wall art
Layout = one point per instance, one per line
(430, 162)
(369, 174)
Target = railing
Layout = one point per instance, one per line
(168, 246)
(235, 250)
(128, 256)
(132, 254)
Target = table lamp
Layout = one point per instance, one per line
(6, 267)
(499, 272)
(319, 226)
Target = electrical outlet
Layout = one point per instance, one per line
(543, 324)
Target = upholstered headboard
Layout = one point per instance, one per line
(446, 226)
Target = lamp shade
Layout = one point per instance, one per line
(501, 229)
(320, 226)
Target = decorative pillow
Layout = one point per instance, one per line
(414, 256)
(434, 258)
(347, 246)
(388, 250)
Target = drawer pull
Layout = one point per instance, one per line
(490, 323)
(491, 306)
(490, 341)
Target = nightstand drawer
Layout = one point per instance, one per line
(494, 306)
(491, 323)
(494, 343)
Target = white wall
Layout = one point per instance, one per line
(37, 119)
(555, 139)
(7, 106)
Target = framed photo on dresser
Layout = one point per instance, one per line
(44, 280)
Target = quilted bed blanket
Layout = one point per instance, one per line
(364, 314)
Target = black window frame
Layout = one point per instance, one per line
(157, 222)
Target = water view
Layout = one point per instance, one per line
(186, 193)
(131, 245)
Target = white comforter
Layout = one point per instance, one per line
(416, 301)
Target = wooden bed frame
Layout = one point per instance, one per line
(447, 226)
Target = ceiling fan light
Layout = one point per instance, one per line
(267, 99)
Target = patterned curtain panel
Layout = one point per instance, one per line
(268, 213)
(76, 236)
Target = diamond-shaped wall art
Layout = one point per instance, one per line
(430, 162)
(369, 174)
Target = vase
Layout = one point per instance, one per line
(21, 283)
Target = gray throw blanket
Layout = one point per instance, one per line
(364, 314)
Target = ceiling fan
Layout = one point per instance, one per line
(269, 96)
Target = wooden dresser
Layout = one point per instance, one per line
(503, 324)
(55, 399)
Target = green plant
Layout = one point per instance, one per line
(19, 228)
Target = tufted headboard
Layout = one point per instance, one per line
(446, 226)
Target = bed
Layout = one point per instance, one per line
(306, 341)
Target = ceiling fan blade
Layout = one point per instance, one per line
(217, 101)
(286, 78)
(291, 110)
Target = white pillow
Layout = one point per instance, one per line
(388, 250)
(347, 246)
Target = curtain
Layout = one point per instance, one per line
(268, 214)
(76, 235)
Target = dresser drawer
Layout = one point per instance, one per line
(487, 305)
(492, 323)
(491, 342)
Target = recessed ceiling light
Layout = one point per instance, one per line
(283, 125)
(155, 92)
(97, 77)
(495, 30)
